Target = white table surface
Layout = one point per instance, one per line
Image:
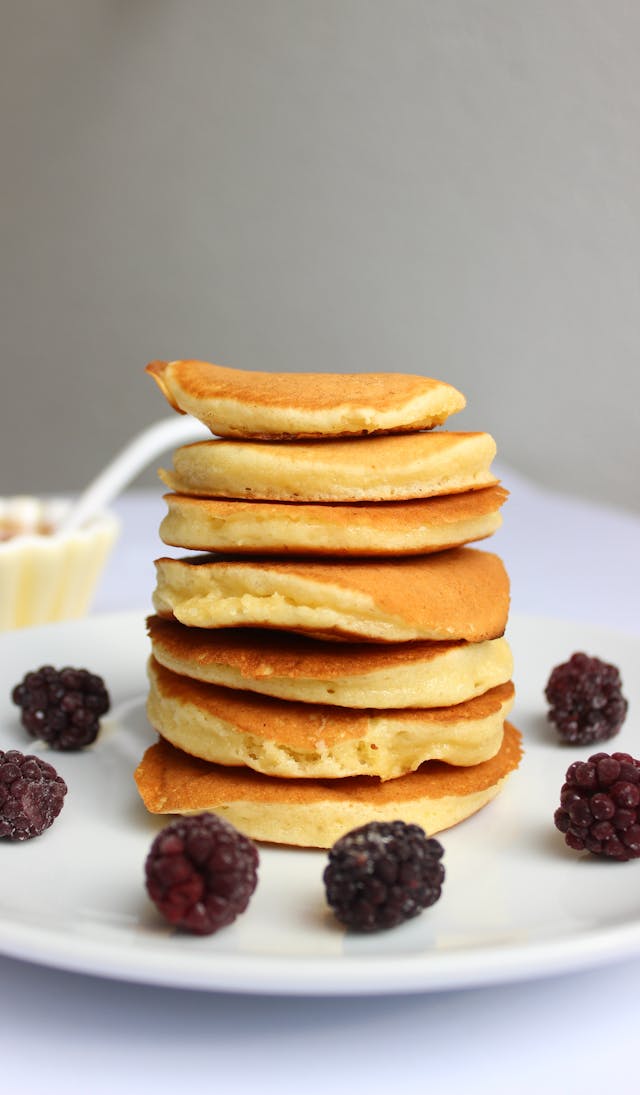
(63, 1032)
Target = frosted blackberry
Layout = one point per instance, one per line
(62, 706)
(31, 795)
(586, 701)
(201, 872)
(382, 874)
(599, 808)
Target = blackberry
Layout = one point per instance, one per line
(31, 795)
(62, 707)
(586, 701)
(599, 808)
(381, 874)
(201, 872)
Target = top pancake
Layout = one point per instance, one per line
(243, 403)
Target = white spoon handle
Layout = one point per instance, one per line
(132, 459)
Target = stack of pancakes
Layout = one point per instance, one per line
(337, 655)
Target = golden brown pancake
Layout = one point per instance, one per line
(386, 528)
(362, 675)
(303, 741)
(370, 469)
(458, 594)
(314, 813)
(241, 403)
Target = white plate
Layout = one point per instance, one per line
(516, 902)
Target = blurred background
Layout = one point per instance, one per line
(447, 187)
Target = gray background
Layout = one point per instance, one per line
(450, 188)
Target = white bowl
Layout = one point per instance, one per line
(47, 576)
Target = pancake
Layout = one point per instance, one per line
(387, 528)
(371, 469)
(314, 813)
(356, 675)
(241, 403)
(458, 594)
(302, 741)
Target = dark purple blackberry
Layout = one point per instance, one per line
(62, 706)
(586, 701)
(201, 873)
(383, 873)
(31, 795)
(599, 808)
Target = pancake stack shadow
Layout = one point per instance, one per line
(335, 652)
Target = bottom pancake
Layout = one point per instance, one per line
(314, 813)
